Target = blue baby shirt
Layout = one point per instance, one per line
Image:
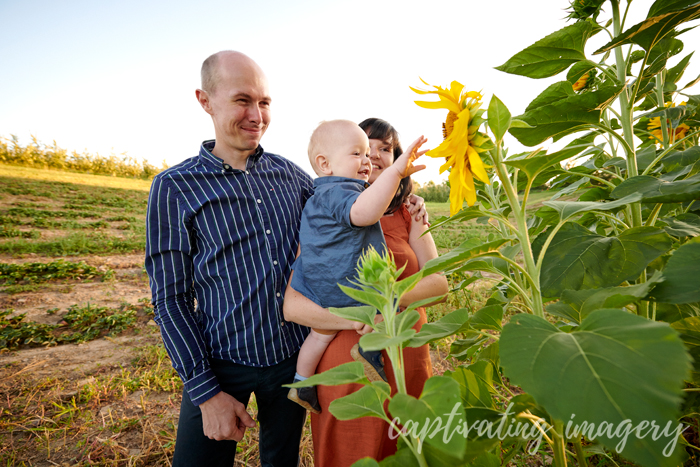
(330, 244)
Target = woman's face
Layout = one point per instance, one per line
(381, 155)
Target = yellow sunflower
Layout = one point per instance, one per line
(581, 83)
(654, 127)
(462, 143)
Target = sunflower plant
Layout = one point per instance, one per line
(592, 328)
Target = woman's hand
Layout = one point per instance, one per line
(416, 208)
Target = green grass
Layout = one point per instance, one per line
(80, 324)
(54, 213)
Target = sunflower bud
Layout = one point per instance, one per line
(377, 270)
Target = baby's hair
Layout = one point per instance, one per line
(323, 137)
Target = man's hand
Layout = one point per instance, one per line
(416, 208)
(224, 417)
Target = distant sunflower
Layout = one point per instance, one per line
(581, 82)
(654, 127)
(462, 143)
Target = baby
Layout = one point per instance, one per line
(338, 223)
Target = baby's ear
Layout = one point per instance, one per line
(324, 164)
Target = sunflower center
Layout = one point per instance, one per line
(449, 124)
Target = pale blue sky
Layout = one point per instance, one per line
(120, 76)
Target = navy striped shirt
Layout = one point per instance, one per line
(219, 249)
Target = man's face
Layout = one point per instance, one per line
(239, 105)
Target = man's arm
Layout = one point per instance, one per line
(371, 205)
(170, 271)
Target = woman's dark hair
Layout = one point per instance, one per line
(377, 128)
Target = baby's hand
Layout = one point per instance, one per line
(362, 329)
(404, 164)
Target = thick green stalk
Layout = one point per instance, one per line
(558, 444)
(580, 455)
(521, 232)
(626, 113)
(663, 122)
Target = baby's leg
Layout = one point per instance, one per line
(312, 350)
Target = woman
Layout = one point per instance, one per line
(341, 443)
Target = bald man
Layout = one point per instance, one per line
(222, 234)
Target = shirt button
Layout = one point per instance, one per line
(275, 263)
(282, 323)
(259, 201)
(268, 232)
(227, 167)
(279, 294)
(247, 172)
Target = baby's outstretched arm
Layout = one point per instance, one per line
(370, 206)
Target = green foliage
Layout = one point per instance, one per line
(570, 375)
(680, 277)
(82, 324)
(553, 54)
(89, 322)
(15, 332)
(579, 259)
(52, 157)
(42, 272)
(591, 273)
(433, 193)
(556, 113)
(87, 219)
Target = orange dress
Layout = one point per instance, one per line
(341, 443)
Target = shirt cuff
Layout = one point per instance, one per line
(202, 387)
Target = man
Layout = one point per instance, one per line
(223, 229)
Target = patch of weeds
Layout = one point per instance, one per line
(82, 324)
(90, 322)
(43, 272)
(9, 220)
(15, 233)
(21, 288)
(16, 332)
(121, 219)
(77, 243)
(35, 213)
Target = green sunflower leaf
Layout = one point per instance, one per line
(554, 115)
(655, 190)
(580, 259)
(664, 18)
(681, 276)
(588, 373)
(553, 54)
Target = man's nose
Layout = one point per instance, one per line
(254, 113)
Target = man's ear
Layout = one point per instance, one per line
(324, 164)
(203, 99)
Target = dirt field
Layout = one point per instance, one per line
(84, 378)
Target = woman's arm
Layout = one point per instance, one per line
(424, 247)
(299, 309)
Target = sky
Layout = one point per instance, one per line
(120, 77)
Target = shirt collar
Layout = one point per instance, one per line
(333, 179)
(208, 158)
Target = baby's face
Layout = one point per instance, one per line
(349, 156)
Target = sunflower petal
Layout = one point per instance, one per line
(477, 166)
(432, 105)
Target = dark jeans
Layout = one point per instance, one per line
(280, 420)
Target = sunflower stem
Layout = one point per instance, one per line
(521, 232)
(626, 111)
(663, 121)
